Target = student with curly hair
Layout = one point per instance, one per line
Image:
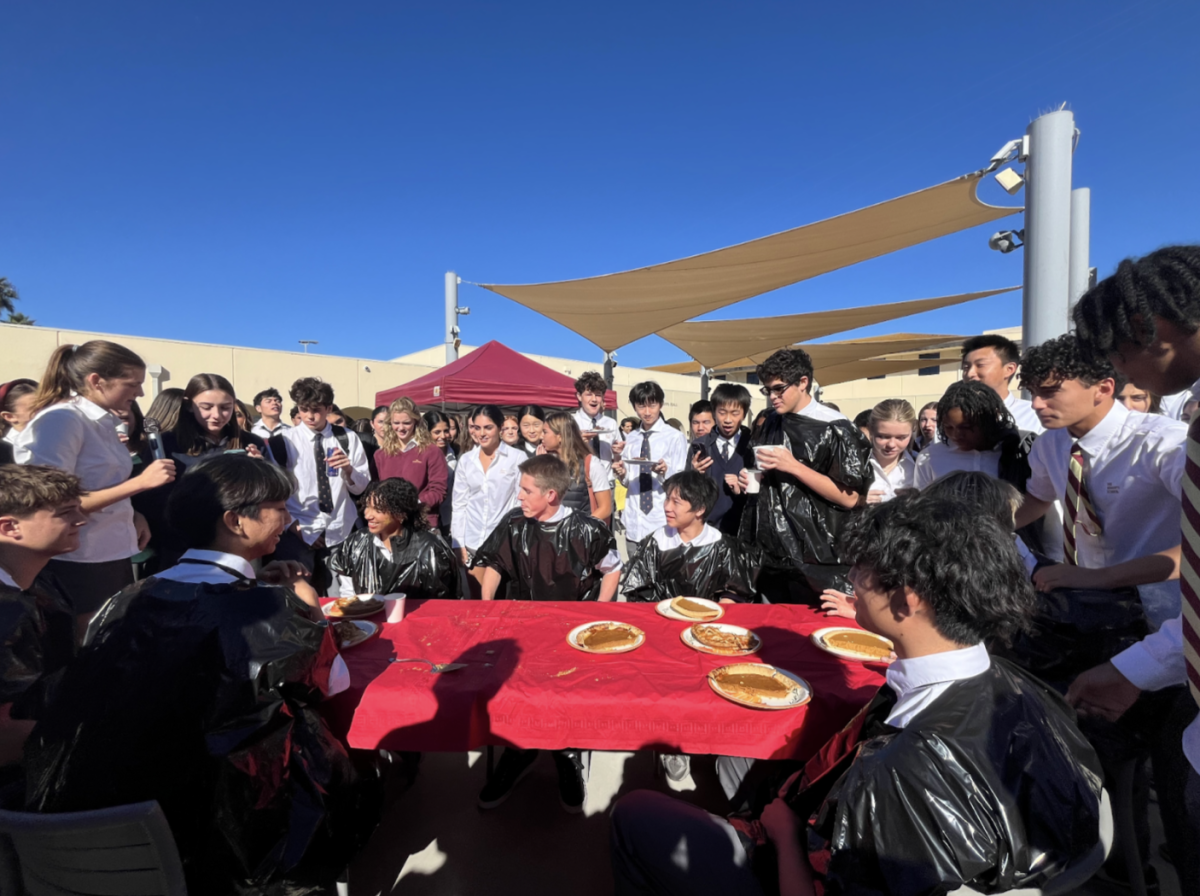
(601, 429)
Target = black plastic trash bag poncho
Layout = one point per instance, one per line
(724, 568)
(991, 786)
(204, 698)
(548, 561)
(1074, 629)
(37, 638)
(796, 528)
(422, 565)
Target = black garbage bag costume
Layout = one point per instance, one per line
(991, 786)
(204, 698)
(724, 568)
(797, 529)
(548, 561)
(422, 565)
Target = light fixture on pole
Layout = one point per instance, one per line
(306, 343)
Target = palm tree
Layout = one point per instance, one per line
(8, 295)
(16, 317)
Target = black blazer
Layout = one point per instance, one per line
(727, 515)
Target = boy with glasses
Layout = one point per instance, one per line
(814, 466)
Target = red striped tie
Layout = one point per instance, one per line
(1189, 569)
(1079, 506)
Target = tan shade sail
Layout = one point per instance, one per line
(615, 309)
(860, 370)
(716, 343)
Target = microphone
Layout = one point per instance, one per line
(151, 428)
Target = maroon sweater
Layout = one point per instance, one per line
(425, 468)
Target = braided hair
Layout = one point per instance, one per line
(1121, 308)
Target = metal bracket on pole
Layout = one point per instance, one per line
(452, 312)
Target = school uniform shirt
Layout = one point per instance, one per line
(940, 458)
(481, 500)
(1022, 411)
(11, 436)
(901, 476)
(260, 430)
(818, 411)
(1172, 405)
(1134, 477)
(609, 432)
(921, 680)
(668, 537)
(303, 505)
(217, 568)
(666, 443)
(80, 437)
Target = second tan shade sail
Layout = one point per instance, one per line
(615, 309)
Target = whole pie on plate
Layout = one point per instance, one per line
(692, 610)
(755, 686)
(862, 643)
(352, 606)
(607, 636)
(715, 638)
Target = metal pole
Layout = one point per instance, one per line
(704, 371)
(1081, 228)
(609, 364)
(1047, 227)
(451, 316)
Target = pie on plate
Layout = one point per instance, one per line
(854, 644)
(606, 636)
(690, 609)
(353, 607)
(721, 639)
(351, 633)
(760, 686)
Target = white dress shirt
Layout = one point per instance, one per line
(303, 504)
(901, 476)
(1157, 662)
(1023, 412)
(818, 411)
(1134, 477)
(7, 579)
(80, 437)
(668, 537)
(666, 443)
(606, 425)
(611, 561)
(940, 458)
(921, 680)
(481, 500)
(208, 571)
(727, 446)
(260, 430)
(11, 436)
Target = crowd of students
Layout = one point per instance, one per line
(1026, 558)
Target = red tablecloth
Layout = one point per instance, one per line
(527, 687)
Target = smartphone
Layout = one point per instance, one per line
(699, 452)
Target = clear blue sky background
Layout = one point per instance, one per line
(258, 173)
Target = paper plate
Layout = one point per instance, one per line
(664, 608)
(367, 631)
(800, 693)
(359, 608)
(689, 638)
(573, 637)
(847, 653)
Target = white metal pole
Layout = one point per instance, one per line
(451, 316)
(1081, 229)
(1047, 227)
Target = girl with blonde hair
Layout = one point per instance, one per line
(590, 490)
(406, 451)
(892, 426)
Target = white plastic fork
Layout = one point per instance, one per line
(433, 667)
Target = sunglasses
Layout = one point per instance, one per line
(778, 389)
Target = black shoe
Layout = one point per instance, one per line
(572, 791)
(512, 767)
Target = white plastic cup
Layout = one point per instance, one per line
(754, 484)
(395, 607)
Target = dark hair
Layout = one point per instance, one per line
(13, 390)
(165, 408)
(788, 365)
(1121, 308)
(760, 418)
(219, 484)
(832, 406)
(490, 411)
(137, 429)
(334, 409)
(548, 473)
(862, 420)
(431, 418)
(293, 413)
(188, 435)
(1006, 349)
(634, 420)
(1061, 359)
(271, 392)
(530, 410)
(648, 392)
(382, 409)
(954, 556)
(71, 365)
(27, 488)
(703, 406)
(311, 392)
(731, 393)
(981, 406)
(999, 500)
(697, 489)
(363, 426)
(397, 498)
(591, 381)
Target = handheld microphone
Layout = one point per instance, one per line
(151, 428)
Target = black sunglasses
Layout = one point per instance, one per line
(777, 389)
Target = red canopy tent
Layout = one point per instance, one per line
(492, 374)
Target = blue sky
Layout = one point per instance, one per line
(259, 173)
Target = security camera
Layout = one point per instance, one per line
(1006, 240)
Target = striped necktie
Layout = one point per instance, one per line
(1189, 567)
(1079, 506)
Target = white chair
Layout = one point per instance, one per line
(123, 851)
(1078, 874)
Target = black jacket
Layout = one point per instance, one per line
(727, 514)
(725, 568)
(422, 566)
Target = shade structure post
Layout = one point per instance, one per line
(704, 372)
(1047, 227)
(609, 363)
(1081, 231)
(451, 316)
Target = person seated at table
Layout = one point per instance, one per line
(547, 552)
(397, 552)
(687, 556)
(200, 688)
(962, 771)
